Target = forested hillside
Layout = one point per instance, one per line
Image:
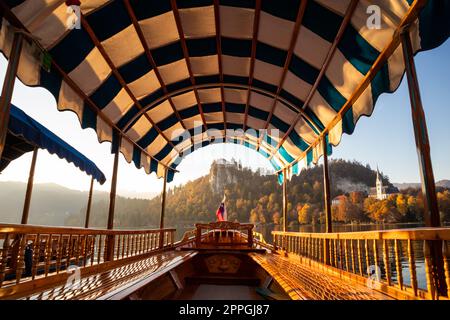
(254, 197)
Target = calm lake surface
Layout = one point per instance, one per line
(266, 230)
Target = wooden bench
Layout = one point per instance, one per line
(118, 282)
(301, 282)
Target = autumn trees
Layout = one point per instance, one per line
(257, 198)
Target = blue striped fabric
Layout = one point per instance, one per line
(154, 72)
(32, 133)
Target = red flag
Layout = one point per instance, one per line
(221, 212)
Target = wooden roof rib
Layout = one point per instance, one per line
(348, 15)
(219, 57)
(298, 23)
(152, 61)
(252, 58)
(122, 82)
(176, 14)
(382, 58)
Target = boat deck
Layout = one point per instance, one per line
(219, 292)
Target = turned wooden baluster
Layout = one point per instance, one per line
(92, 248)
(88, 249)
(68, 252)
(147, 237)
(48, 253)
(305, 247)
(428, 270)
(136, 242)
(136, 251)
(320, 250)
(360, 258)
(412, 267)
(366, 242)
(398, 263)
(77, 249)
(375, 260)
(99, 249)
(133, 244)
(4, 257)
(341, 255)
(308, 247)
(84, 251)
(122, 246)
(128, 245)
(387, 265)
(59, 252)
(352, 252)
(105, 247)
(305, 243)
(347, 268)
(446, 255)
(335, 247)
(20, 257)
(294, 245)
(117, 247)
(36, 254)
(314, 257)
(330, 251)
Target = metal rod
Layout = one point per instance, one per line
(89, 204)
(326, 190)
(26, 205)
(431, 211)
(8, 87)
(285, 202)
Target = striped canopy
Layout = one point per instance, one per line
(161, 78)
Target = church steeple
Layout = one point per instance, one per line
(379, 185)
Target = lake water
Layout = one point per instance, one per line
(266, 230)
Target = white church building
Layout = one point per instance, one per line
(381, 191)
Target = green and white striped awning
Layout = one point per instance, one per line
(159, 78)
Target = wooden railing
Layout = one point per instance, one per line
(224, 233)
(28, 252)
(386, 260)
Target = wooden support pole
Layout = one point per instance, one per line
(326, 190)
(431, 211)
(163, 210)
(327, 202)
(112, 193)
(112, 204)
(26, 204)
(89, 204)
(285, 201)
(8, 87)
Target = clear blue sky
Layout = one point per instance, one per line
(385, 139)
